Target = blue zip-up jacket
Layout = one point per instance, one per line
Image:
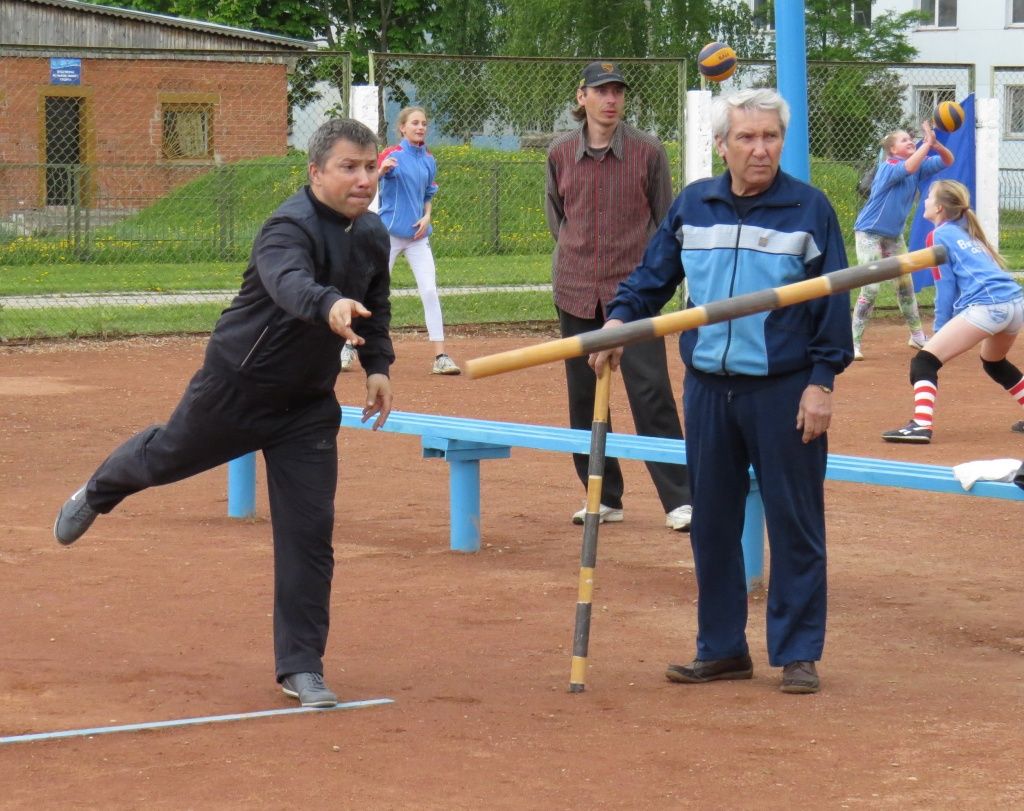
(971, 276)
(405, 188)
(790, 234)
(892, 195)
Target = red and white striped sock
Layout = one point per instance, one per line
(1017, 392)
(925, 392)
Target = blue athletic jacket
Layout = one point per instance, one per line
(791, 234)
(892, 195)
(971, 276)
(405, 188)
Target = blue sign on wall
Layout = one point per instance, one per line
(65, 71)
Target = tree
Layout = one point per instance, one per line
(851, 105)
(840, 31)
(288, 18)
(682, 27)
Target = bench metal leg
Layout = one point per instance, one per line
(464, 504)
(753, 538)
(242, 487)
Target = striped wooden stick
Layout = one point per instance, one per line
(591, 522)
(646, 328)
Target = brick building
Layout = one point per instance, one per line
(106, 109)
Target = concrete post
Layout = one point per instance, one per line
(699, 141)
(987, 115)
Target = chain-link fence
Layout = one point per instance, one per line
(1008, 87)
(130, 201)
(851, 106)
(145, 175)
(491, 120)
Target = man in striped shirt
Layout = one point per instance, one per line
(608, 189)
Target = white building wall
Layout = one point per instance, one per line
(984, 36)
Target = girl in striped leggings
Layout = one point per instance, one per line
(976, 303)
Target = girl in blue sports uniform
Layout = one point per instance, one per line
(976, 302)
(878, 229)
(407, 189)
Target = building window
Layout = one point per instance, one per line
(1015, 111)
(939, 13)
(1017, 12)
(862, 13)
(764, 14)
(928, 99)
(188, 131)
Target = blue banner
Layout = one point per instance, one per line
(65, 70)
(961, 144)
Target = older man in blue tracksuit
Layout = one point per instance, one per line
(758, 389)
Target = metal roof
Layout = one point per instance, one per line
(177, 22)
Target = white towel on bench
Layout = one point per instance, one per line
(989, 470)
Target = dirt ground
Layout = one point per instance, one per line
(163, 612)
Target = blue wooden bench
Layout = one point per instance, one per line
(464, 442)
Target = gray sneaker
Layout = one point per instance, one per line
(74, 518)
(309, 689)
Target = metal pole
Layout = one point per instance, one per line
(791, 64)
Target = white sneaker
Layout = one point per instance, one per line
(348, 354)
(679, 519)
(443, 365)
(857, 354)
(605, 515)
(915, 343)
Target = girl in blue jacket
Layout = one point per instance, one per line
(878, 229)
(407, 188)
(976, 302)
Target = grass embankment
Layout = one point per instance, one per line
(489, 230)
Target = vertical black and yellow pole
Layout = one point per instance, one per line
(591, 522)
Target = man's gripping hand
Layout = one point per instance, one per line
(340, 318)
(597, 360)
(378, 399)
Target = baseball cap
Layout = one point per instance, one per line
(598, 73)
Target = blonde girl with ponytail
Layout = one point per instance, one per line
(977, 303)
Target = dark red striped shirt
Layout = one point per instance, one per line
(602, 212)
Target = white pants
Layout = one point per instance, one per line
(421, 260)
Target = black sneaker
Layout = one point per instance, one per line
(74, 518)
(700, 671)
(911, 432)
(800, 677)
(1018, 427)
(309, 689)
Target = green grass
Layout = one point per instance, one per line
(118, 320)
(490, 203)
(489, 230)
(27, 280)
(107, 321)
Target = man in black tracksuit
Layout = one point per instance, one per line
(318, 275)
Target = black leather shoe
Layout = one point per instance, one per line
(704, 670)
(800, 677)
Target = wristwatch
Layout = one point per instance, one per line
(824, 388)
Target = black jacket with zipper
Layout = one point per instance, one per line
(274, 337)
